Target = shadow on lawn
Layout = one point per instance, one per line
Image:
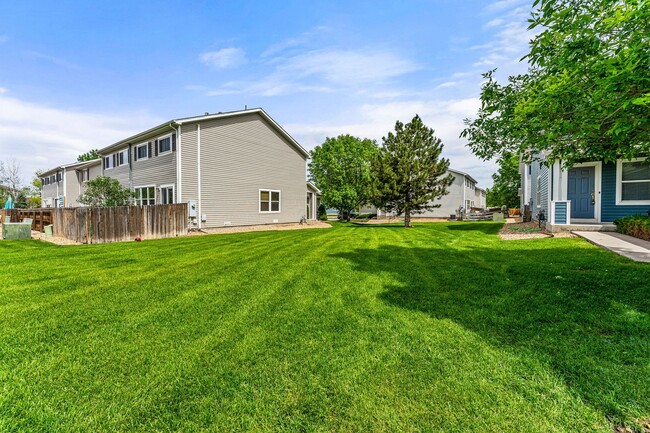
(581, 311)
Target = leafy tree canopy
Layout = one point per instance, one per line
(507, 180)
(408, 171)
(88, 156)
(104, 191)
(340, 168)
(586, 95)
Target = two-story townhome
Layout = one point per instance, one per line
(462, 193)
(61, 186)
(233, 168)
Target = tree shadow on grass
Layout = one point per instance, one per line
(579, 310)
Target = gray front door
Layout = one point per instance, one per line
(581, 193)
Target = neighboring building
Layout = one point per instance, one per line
(480, 198)
(62, 186)
(235, 168)
(462, 193)
(589, 196)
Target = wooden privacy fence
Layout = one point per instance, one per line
(115, 224)
(40, 217)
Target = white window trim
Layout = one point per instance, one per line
(170, 144)
(619, 184)
(259, 201)
(145, 186)
(110, 158)
(124, 152)
(137, 148)
(161, 187)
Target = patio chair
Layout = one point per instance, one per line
(7, 218)
(28, 221)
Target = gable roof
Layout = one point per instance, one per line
(171, 124)
(77, 164)
(462, 173)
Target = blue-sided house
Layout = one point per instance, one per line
(587, 196)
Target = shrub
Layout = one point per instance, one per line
(634, 225)
(322, 212)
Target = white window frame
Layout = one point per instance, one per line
(619, 184)
(170, 144)
(125, 157)
(110, 165)
(270, 191)
(160, 194)
(140, 199)
(146, 147)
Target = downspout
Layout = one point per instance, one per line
(179, 183)
(65, 196)
(130, 168)
(199, 215)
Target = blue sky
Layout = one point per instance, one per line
(81, 75)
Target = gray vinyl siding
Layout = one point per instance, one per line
(120, 173)
(239, 156)
(450, 203)
(72, 187)
(50, 192)
(155, 171)
(187, 145)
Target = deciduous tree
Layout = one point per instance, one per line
(88, 156)
(341, 169)
(408, 171)
(505, 190)
(586, 95)
(104, 191)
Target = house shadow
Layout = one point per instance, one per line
(580, 311)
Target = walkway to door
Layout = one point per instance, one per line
(624, 245)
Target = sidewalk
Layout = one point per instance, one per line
(627, 246)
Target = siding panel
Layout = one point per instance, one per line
(610, 211)
(240, 156)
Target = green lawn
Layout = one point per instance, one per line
(443, 327)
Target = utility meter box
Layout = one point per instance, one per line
(192, 208)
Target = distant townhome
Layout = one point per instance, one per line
(234, 168)
(62, 186)
(588, 196)
(462, 193)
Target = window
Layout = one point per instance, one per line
(633, 186)
(52, 179)
(145, 195)
(269, 201)
(122, 158)
(59, 177)
(165, 145)
(141, 151)
(167, 194)
(109, 162)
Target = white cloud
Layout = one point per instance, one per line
(297, 41)
(224, 58)
(376, 120)
(501, 5)
(40, 137)
(323, 71)
(3, 90)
